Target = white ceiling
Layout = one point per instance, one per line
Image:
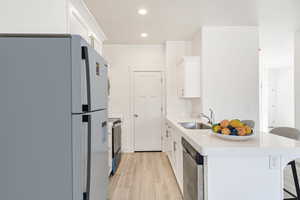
(180, 19)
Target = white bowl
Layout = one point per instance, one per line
(234, 137)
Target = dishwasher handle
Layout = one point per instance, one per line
(192, 152)
(117, 123)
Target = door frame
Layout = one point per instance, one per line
(132, 103)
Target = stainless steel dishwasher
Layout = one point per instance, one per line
(193, 173)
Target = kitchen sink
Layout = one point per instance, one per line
(194, 125)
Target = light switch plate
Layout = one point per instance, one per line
(274, 162)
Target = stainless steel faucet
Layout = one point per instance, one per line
(212, 115)
(210, 118)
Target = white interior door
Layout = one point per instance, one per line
(147, 111)
(272, 106)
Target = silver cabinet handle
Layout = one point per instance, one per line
(174, 146)
(167, 133)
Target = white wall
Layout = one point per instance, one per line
(277, 45)
(196, 43)
(122, 59)
(33, 16)
(230, 72)
(176, 107)
(297, 79)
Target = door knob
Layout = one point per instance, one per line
(135, 115)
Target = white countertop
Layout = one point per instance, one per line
(206, 143)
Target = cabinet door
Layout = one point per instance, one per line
(179, 162)
(171, 154)
(98, 46)
(174, 155)
(165, 139)
(78, 27)
(171, 146)
(180, 80)
(174, 151)
(192, 80)
(167, 142)
(188, 77)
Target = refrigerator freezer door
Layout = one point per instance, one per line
(89, 78)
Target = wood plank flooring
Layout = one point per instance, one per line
(144, 176)
(148, 176)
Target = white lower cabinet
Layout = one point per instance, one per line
(178, 159)
(169, 144)
(173, 148)
(167, 141)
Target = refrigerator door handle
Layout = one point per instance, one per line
(88, 119)
(104, 123)
(85, 56)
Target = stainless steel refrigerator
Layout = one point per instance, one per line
(53, 118)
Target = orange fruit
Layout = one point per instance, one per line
(236, 123)
(224, 123)
(241, 131)
(226, 131)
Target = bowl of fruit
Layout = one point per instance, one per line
(233, 130)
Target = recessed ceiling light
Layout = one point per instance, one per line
(144, 35)
(142, 11)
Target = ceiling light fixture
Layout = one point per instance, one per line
(142, 11)
(144, 35)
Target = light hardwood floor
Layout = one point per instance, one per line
(144, 176)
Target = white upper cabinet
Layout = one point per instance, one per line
(83, 23)
(188, 77)
(51, 17)
(77, 26)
